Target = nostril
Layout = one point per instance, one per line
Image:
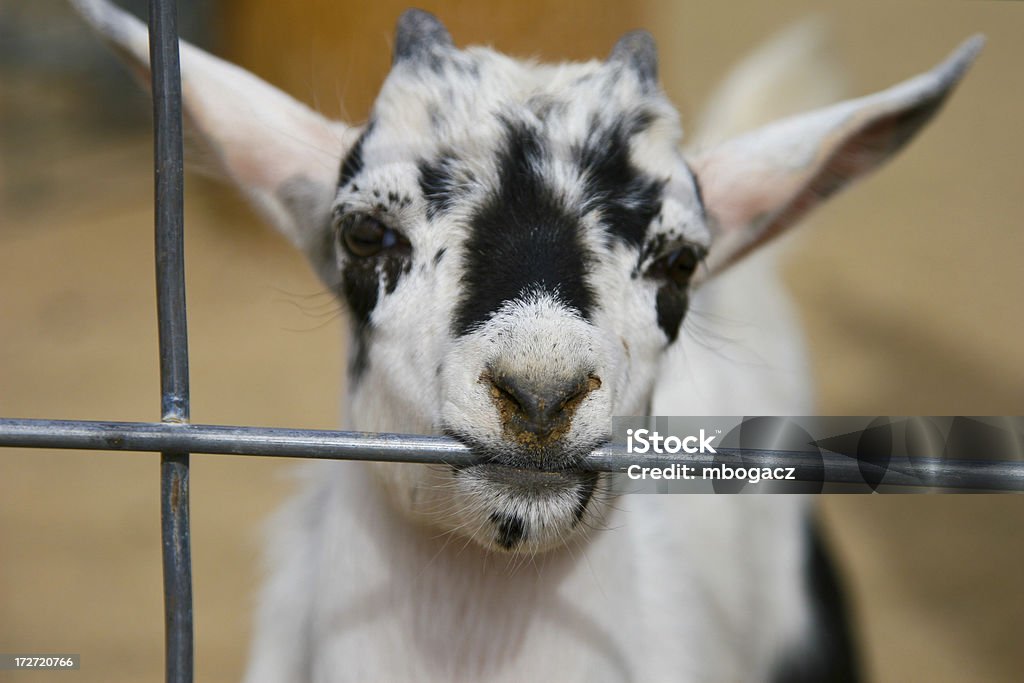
(513, 393)
(503, 392)
(541, 408)
(580, 391)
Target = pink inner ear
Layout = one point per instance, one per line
(860, 153)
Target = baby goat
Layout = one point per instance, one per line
(517, 245)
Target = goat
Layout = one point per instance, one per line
(517, 245)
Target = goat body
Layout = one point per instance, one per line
(518, 245)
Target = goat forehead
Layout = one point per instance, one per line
(456, 101)
(451, 118)
(534, 173)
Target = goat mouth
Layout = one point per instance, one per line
(514, 464)
(536, 500)
(532, 478)
(562, 489)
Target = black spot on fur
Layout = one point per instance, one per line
(360, 286)
(362, 281)
(828, 654)
(393, 269)
(651, 249)
(439, 255)
(671, 302)
(522, 239)
(437, 183)
(628, 200)
(511, 530)
(639, 121)
(353, 162)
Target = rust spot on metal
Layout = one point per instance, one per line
(175, 491)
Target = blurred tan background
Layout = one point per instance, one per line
(910, 283)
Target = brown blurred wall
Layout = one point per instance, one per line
(337, 53)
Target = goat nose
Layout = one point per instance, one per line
(538, 412)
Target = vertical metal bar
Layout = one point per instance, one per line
(170, 288)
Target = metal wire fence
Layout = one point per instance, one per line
(174, 438)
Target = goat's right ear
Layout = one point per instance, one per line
(282, 154)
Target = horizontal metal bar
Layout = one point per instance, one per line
(307, 443)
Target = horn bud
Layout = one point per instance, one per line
(637, 51)
(418, 35)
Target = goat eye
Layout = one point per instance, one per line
(678, 266)
(365, 236)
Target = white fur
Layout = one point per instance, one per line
(395, 572)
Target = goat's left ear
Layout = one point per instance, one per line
(757, 185)
(282, 154)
